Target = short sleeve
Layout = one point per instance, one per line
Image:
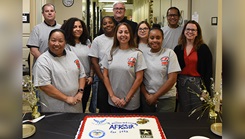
(140, 64)
(173, 62)
(33, 39)
(42, 74)
(94, 50)
(104, 61)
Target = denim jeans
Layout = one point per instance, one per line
(188, 87)
(93, 102)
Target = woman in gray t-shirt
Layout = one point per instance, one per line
(160, 76)
(123, 72)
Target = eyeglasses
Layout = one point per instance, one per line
(121, 9)
(143, 29)
(172, 15)
(190, 29)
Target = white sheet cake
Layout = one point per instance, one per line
(120, 127)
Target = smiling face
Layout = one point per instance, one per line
(143, 31)
(57, 43)
(123, 35)
(190, 31)
(119, 11)
(173, 18)
(108, 25)
(77, 29)
(155, 40)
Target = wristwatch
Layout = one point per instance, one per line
(80, 90)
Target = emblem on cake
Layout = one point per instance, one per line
(142, 121)
(96, 133)
(146, 133)
(99, 122)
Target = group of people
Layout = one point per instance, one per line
(129, 68)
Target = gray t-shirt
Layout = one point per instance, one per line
(122, 74)
(171, 36)
(144, 47)
(39, 36)
(82, 51)
(100, 45)
(63, 73)
(159, 65)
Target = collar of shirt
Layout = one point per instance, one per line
(50, 25)
(54, 55)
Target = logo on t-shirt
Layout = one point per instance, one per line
(131, 61)
(77, 63)
(164, 60)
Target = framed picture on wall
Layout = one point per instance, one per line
(25, 18)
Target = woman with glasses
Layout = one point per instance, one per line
(195, 60)
(141, 36)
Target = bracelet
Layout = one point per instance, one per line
(125, 99)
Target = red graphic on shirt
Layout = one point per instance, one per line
(131, 61)
(77, 63)
(164, 60)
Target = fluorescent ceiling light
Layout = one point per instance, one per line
(112, 0)
(107, 8)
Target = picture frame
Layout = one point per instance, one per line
(25, 18)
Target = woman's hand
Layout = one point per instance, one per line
(123, 103)
(79, 96)
(116, 101)
(89, 80)
(71, 100)
(151, 99)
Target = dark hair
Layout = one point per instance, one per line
(68, 28)
(56, 30)
(47, 4)
(198, 40)
(116, 43)
(137, 38)
(154, 25)
(175, 9)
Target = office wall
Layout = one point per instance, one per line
(206, 9)
(160, 8)
(141, 10)
(76, 10)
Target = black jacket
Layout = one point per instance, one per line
(204, 63)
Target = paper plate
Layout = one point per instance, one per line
(28, 130)
(216, 128)
(198, 137)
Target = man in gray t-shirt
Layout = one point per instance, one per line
(38, 40)
(173, 30)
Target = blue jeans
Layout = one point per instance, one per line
(95, 86)
(187, 100)
(99, 97)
